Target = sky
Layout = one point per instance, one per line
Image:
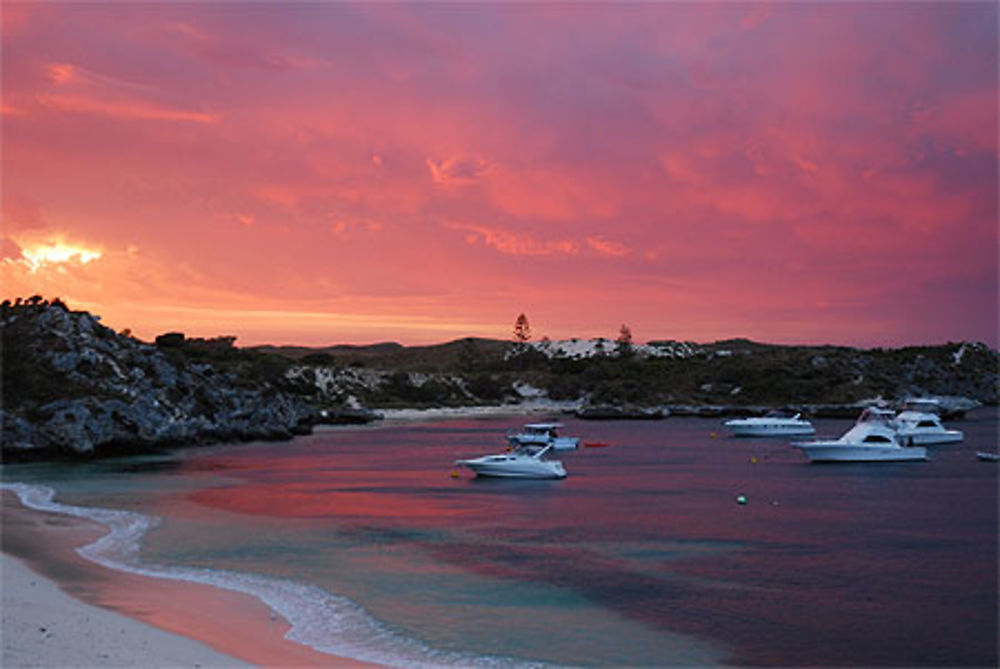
(321, 173)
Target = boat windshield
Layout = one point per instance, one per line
(924, 405)
(542, 428)
(873, 415)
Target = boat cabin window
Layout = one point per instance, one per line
(926, 423)
(877, 438)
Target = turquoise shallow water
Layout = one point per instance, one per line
(641, 557)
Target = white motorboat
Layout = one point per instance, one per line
(872, 439)
(525, 462)
(773, 424)
(924, 429)
(542, 434)
(920, 424)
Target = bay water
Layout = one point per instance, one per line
(372, 545)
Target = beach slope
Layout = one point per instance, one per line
(45, 627)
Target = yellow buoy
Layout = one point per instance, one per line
(454, 474)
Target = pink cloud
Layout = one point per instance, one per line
(768, 162)
(459, 170)
(76, 89)
(608, 247)
(510, 243)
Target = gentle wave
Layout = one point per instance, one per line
(325, 622)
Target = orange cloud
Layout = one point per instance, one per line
(75, 89)
(510, 243)
(607, 247)
(459, 170)
(123, 109)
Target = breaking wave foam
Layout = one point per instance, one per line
(326, 622)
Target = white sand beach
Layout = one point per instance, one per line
(44, 627)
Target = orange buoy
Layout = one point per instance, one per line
(595, 444)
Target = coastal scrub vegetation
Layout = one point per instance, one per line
(71, 377)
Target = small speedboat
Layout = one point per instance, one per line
(525, 462)
(920, 424)
(772, 424)
(872, 439)
(542, 434)
(988, 457)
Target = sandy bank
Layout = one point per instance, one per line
(45, 627)
(523, 409)
(61, 610)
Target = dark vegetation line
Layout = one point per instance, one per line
(71, 386)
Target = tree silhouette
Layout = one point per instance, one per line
(522, 330)
(624, 341)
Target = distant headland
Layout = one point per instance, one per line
(73, 387)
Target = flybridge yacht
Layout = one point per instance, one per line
(918, 423)
(542, 434)
(524, 462)
(773, 424)
(872, 439)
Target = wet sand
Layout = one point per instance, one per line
(61, 610)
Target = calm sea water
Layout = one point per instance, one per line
(366, 542)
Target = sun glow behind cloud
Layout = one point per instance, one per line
(56, 252)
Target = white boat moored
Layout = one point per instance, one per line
(920, 425)
(773, 424)
(542, 434)
(525, 462)
(872, 439)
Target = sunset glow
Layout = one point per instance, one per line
(37, 256)
(318, 173)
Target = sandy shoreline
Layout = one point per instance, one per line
(45, 627)
(532, 408)
(61, 610)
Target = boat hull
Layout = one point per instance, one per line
(837, 452)
(936, 438)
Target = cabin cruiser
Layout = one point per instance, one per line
(773, 424)
(872, 439)
(945, 410)
(918, 423)
(524, 462)
(542, 434)
(923, 429)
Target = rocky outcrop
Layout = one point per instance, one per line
(73, 387)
